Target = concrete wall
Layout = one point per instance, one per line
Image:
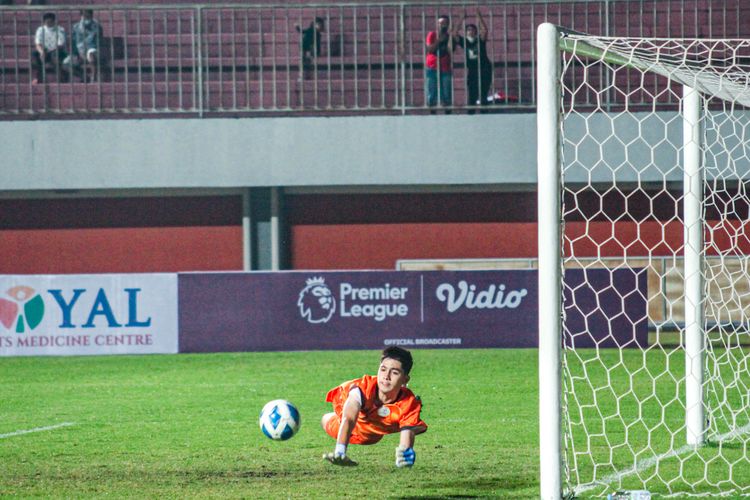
(338, 151)
(297, 151)
(127, 169)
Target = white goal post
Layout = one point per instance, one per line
(643, 151)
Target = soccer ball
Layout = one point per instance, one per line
(279, 420)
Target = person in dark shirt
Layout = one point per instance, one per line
(87, 34)
(311, 43)
(478, 64)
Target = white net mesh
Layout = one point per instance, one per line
(624, 369)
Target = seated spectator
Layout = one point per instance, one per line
(86, 58)
(49, 48)
(310, 43)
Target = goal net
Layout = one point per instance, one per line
(644, 237)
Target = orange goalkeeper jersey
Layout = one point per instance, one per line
(375, 418)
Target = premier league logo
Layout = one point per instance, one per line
(316, 303)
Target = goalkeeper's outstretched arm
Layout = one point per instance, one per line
(405, 454)
(348, 421)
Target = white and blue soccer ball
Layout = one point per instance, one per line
(279, 420)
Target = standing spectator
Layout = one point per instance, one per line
(86, 36)
(478, 64)
(438, 65)
(50, 48)
(310, 44)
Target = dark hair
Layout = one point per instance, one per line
(472, 26)
(87, 11)
(444, 17)
(48, 15)
(319, 20)
(399, 354)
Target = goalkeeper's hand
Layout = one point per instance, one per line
(405, 457)
(338, 459)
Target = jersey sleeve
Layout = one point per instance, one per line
(355, 394)
(431, 36)
(333, 394)
(338, 395)
(411, 417)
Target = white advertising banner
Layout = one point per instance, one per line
(88, 314)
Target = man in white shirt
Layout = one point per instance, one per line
(49, 44)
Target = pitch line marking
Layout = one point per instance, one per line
(36, 429)
(650, 462)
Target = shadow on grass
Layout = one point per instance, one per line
(239, 474)
(436, 497)
(726, 445)
(494, 487)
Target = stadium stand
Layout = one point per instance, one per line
(188, 60)
(200, 58)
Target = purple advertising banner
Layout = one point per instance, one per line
(605, 308)
(265, 311)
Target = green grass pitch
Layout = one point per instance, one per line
(186, 426)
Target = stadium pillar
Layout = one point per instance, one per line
(550, 273)
(247, 242)
(693, 247)
(276, 218)
(264, 238)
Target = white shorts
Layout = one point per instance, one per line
(73, 60)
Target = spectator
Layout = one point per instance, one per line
(478, 64)
(438, 66)
(50, 48)
(310, 43)
(86, 35)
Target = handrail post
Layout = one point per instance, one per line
(402, 56)
(199, 12)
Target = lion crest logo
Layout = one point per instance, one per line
(316, 303)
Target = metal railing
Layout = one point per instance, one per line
(231, 59)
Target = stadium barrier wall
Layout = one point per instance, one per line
(88, 314)
(372, 309)
(283, 311)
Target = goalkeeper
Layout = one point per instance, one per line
(367, 408)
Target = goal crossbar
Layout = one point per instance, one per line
(689, 68)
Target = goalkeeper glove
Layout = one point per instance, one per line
(339, 459)
(405, 457)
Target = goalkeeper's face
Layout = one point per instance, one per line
(391, 378)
